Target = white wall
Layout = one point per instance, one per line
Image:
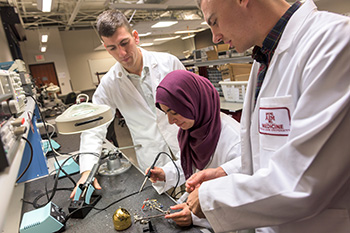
(71, 51)
(54, 53)
(79, 49)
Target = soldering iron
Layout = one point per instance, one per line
(148, 175)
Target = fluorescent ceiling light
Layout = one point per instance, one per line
(164, 24)
(186, 31)
(191, 16)
(146, 44)
(43, 49)
(187, 37)
(44, 5)
(166, 38)
(145, 34)
(44, 38)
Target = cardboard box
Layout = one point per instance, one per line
(212, 54)
(226, 72)
(241, 77)
(223, 47)
(235, 71)
(240, 68)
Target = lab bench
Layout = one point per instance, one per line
(113, 188)
(234, 109)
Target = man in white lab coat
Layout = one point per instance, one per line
(295, 127)
(130, 86)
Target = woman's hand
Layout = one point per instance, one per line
(157, 174)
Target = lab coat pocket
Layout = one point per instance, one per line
(274, 121)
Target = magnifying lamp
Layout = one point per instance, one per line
(83, 116)
(54, 89)
(77, 118)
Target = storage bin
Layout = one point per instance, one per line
(234, 91)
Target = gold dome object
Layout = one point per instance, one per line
(121, 219)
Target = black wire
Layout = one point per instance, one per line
(180, 192)
(178, 173)
(54, 155)
(54, 189)
(101, 209)
(34, 203)
(30, 160)
(46, 131)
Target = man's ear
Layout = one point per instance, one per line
(243, 2)
(135, 34)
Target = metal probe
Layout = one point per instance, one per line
(148, 175)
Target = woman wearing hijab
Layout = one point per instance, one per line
(207, 137)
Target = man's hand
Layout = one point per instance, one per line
(207, 174)
(194, 205)
(182, 218)
(157, 174)
(82, 180)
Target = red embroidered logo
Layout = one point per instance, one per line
(274, 121)
(270, 117)
(271, 122)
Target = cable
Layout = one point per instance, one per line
(178, 174)
(154, 162)
(54, 189)
(46, 131)
(101, 209)
(30, 160)
(180, 192)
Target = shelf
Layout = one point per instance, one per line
(243, 59)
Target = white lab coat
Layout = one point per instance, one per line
(295, 176)
(228, 148)
(150, 130)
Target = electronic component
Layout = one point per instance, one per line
(49, 218)
(9, 143)
(10, 84)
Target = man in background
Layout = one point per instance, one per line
(130, 86)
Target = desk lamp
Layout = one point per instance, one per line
(77, 118)
(54, 89)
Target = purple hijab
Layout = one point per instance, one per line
(193, 97)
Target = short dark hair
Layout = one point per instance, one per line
(109, 21)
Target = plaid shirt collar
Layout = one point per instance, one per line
(264, 54)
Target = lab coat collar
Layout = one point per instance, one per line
(294, 24)
(148, 61)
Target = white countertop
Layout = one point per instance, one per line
(230, 106)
